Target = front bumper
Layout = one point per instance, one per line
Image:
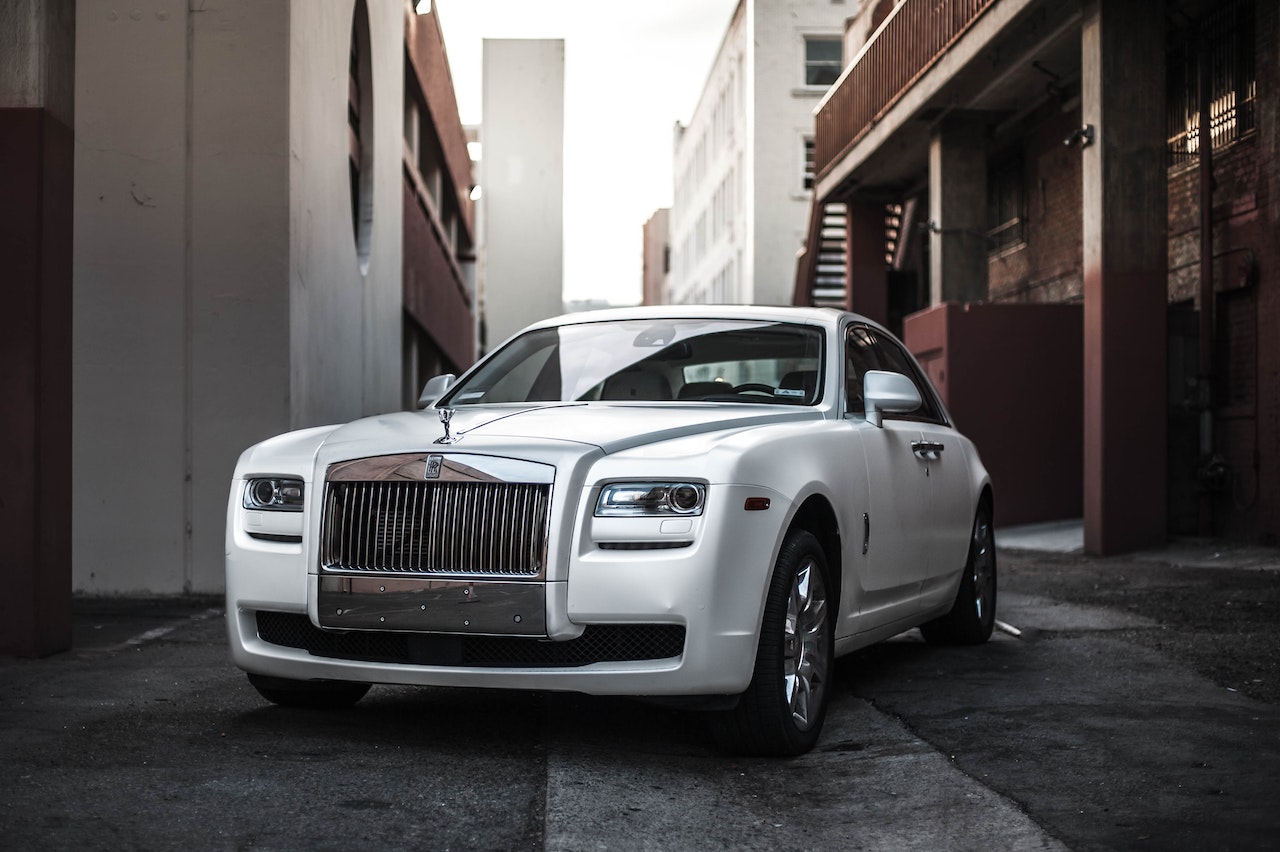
(615, 590)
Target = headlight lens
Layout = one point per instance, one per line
(275, 494)
(651, 498)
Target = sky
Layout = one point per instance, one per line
(632, 70)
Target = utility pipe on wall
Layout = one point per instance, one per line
(1206, 277)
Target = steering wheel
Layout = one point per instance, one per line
(753, 387)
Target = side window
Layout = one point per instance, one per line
(860, 356)
(867, 349)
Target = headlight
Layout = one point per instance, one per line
(279, 495)
(651, 498)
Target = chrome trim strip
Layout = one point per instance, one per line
(454, 467)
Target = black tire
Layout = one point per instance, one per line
(316, 694)
(974, 612)
(782, 711)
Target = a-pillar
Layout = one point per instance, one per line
(868, 289)
(1125, 201)
(37, 74)
(958, 209)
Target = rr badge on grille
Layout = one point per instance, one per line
(433, 467)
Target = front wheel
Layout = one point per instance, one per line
(319, 694)
(974, 612)
(782, 711)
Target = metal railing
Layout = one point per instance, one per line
(906, 45)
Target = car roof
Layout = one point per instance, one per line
(809, 316)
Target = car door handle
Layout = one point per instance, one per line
(927, 449)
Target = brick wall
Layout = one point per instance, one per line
(1047, 268)
(1267, 248)
(1246, 246)
(1246, 382)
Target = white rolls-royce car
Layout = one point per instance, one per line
(703, 505)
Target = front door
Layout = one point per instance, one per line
(890, 555)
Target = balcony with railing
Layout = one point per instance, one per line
(910, 41)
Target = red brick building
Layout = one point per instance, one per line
(439, 216)
(1022, 192)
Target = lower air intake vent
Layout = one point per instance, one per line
(599, 643)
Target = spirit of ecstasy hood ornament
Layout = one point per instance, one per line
(446, 414)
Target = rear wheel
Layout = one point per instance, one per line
(782, 711)
(323, 694)
(974, 612)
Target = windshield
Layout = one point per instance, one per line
(708, 360)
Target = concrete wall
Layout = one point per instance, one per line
(131, 289)
(345, 320)
(217, 296)
(522, 178)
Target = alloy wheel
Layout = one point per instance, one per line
(806, 645)
(983, 567)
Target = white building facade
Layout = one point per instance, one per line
(743, 165)
(521, 208)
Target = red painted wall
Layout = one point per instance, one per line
(36, 479)
(1012, 377)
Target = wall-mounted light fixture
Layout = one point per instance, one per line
(1081, 136)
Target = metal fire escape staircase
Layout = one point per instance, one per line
(822, 277)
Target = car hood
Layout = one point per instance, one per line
(612, 427)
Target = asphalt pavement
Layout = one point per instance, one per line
(1088, 722)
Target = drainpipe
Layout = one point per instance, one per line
(1206, 284)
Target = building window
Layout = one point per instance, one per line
(1006, 217)
(822, 61)
(1224, 38)
(808, 162)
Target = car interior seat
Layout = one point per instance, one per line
(635, 384)
(806, 380)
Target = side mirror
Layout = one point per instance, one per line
(883, 391)
(435, 388)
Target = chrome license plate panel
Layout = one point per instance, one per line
(465, 607)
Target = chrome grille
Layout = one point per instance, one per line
(485, 528)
